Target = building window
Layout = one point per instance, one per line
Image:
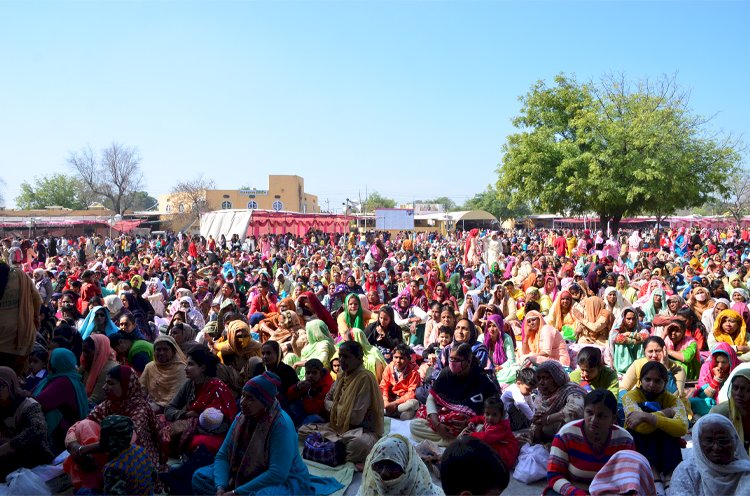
(252, 205)
(181, 208)
(169, 207)
(277, 205)
(226, 205)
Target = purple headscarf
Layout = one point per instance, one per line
(498, 351)
(509, 263)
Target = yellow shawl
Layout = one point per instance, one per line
(349, 387)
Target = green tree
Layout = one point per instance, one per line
(52, 190)
(141, 200)
(496, 203)
(614, 148)
(376, 200)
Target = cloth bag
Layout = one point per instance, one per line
(532, 464)
(321, 450)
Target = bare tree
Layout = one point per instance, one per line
(114, 175)
(737, 198)
(2, 197)
(189, 197)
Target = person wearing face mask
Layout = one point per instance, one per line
(457, 395)
(700, 301)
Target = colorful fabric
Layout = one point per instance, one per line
(350, 386)
(740, 339)
(130, 473)
(626, 472)
(163, 380)
(251, 441)
(103, 352)
(573, 461)
(214, 393)
(63, 365)
(263, 387)
(358, 321)
(87, 326)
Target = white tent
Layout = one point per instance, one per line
(226, 222)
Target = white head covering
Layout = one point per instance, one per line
(415, 479)
(733, 478)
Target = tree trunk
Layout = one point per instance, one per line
(615, 225)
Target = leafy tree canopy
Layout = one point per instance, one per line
(376, 200)
(52, 190)
(615, 148)
(497, 203)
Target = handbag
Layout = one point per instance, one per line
(321, 450)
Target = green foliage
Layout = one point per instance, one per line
(54, 189)
(141, 200)
(376, 200)
(613, 148)
(497, 203)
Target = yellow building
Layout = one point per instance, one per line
(284, 193)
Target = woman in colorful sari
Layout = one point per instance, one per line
(353, 316)
(97, 358)
(713, 375)
(62, 396)
(319, 345)
(501, 347)
(456, 395)
(594, 323)
(730, 328)
(260, 454)
(240, 351)
(310, 308)
(626, 341)
(163, 377)
(560, 401)
(124, 397)
(542, 342)
(682, 349)
(373, 359)
(560, 316)
(655, 305)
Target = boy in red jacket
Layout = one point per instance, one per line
(494, 429)
(399, 385)
(307, 398)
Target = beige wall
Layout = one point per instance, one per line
(289, 190)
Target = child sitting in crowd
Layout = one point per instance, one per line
(518, 400)
(494, 429)
(37, 368)
(433, 351)
(307, 398)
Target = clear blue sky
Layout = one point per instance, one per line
(412, 99)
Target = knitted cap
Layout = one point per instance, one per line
(263, 387)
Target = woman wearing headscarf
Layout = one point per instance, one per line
(700, 301)
(626, 341)
(466, 332)
(542, 342)
(656, 419)
(614, 302)
(501, 347)
(319, 345)
(163, 377)
(22, 427)
(272, 362)
(681, 348)
(193, 316)
(62, 396)
(124, 397)
(240, 351)
(354, 315)
(98, 321)
(709, 317)
(260, 453)
(736, 407)
(310, 308)
(718, 463)
(385, 334)
(730, 328)
(97, 359)
(457, 395)
(373, 359)
(713, 375)
(442, 295)
(594, 323)
(394, 467)
(560, 401)
(561, 317)
(130, 302)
